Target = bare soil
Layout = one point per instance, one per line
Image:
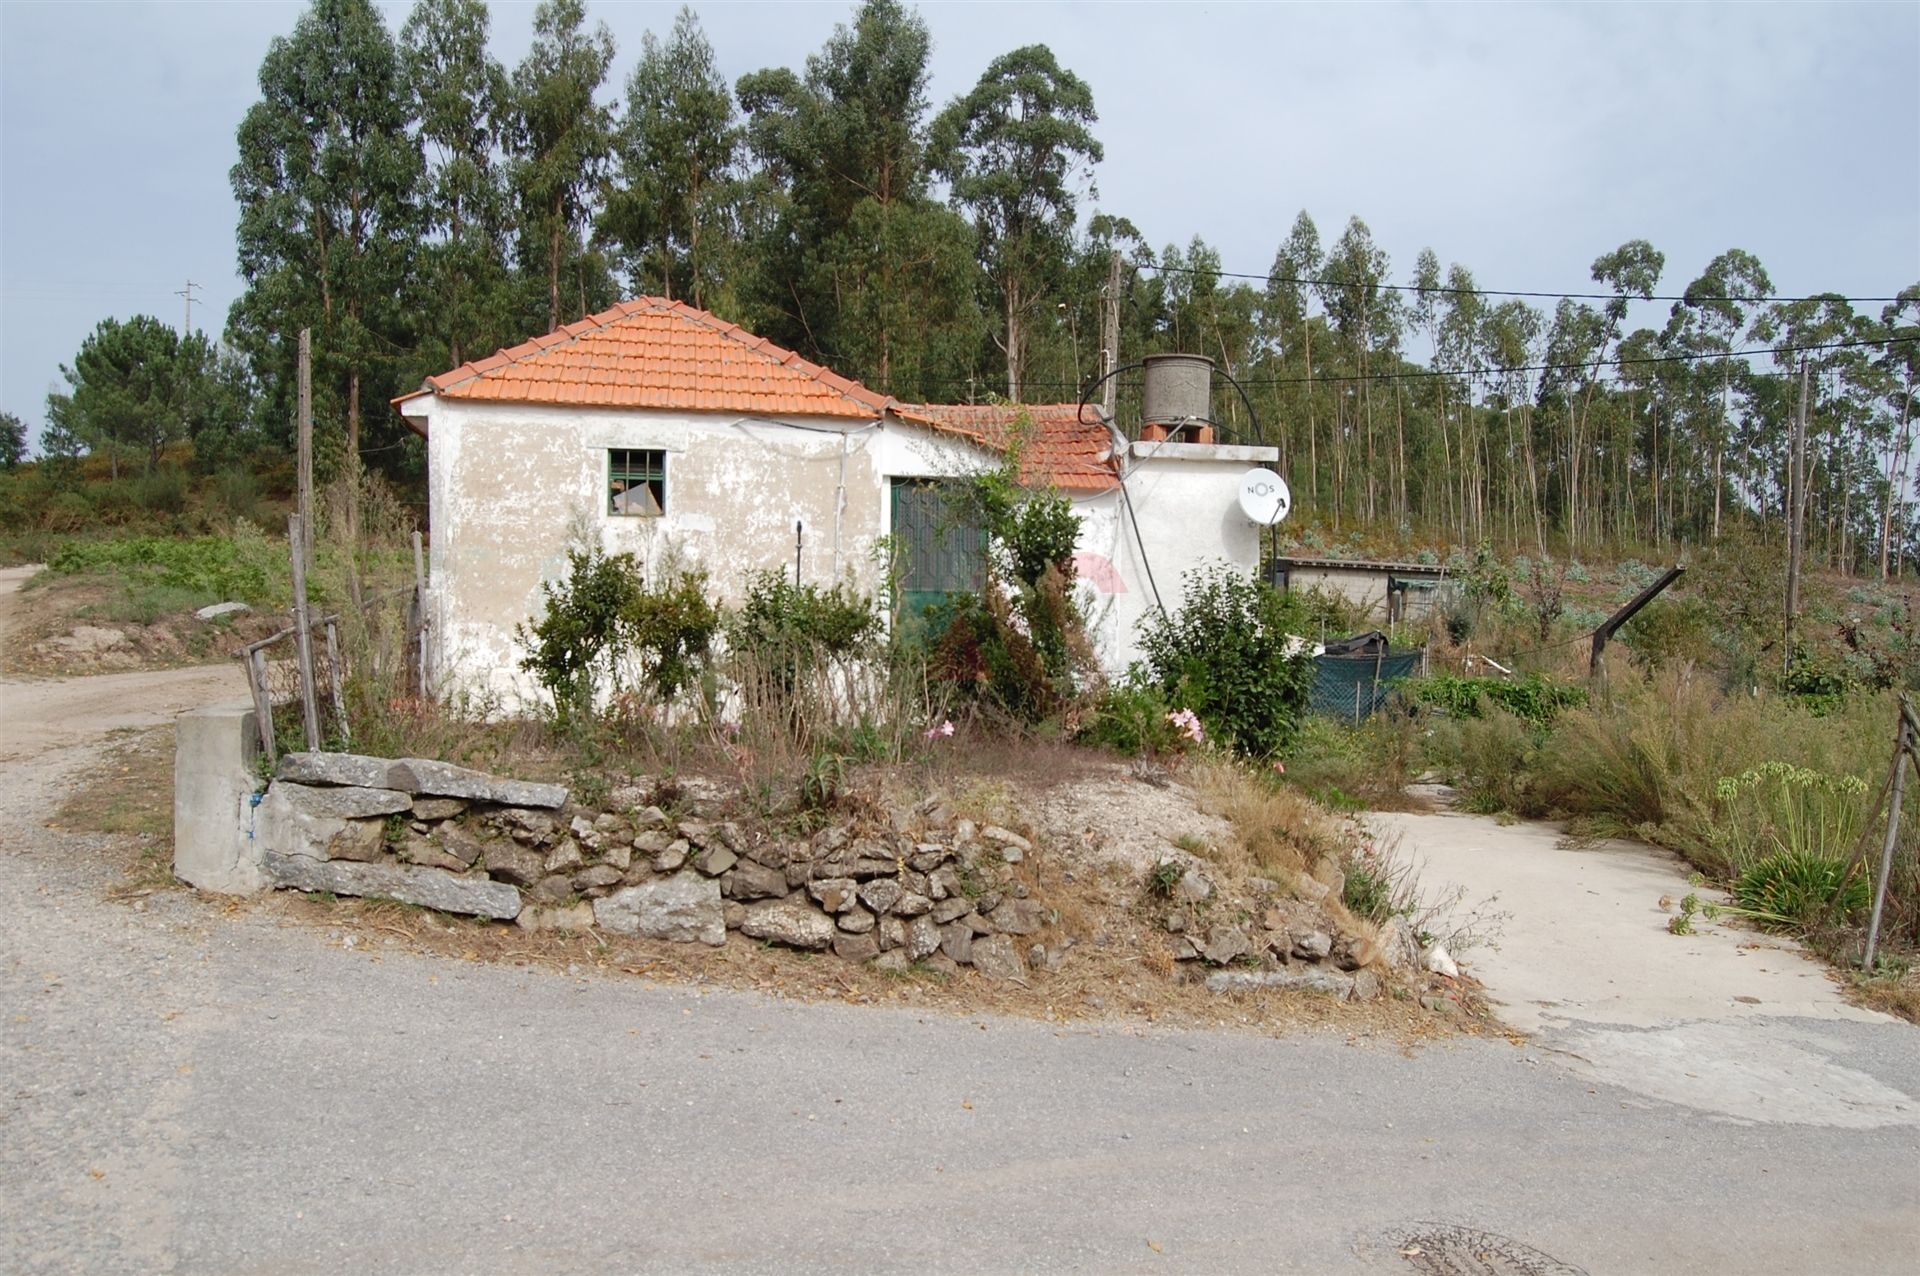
(66, 628)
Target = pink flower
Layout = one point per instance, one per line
(1279, 768)
(944, 729)
(1187, 722)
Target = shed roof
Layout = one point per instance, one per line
(1360, 565)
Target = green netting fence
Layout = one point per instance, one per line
(1351, 688)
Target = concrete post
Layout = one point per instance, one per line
(213, 786)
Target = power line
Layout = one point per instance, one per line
(1448, 290)
(1418, 373)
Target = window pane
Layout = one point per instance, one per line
(637, 481)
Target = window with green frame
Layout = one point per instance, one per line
(943, 550)
(637, 482)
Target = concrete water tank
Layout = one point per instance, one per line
(1179, 388)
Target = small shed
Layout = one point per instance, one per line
(1390, 593)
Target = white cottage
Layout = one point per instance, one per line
(661, 430)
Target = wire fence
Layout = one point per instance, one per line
(1352, 688)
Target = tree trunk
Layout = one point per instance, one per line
(553, 271)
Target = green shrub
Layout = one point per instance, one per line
(1535, 699)
(1232, 653)
(244, 566)
(579, 639)
(791, 628)
(1797, 890)
(1130, 718)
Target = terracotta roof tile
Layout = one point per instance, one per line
(1056, 444)
(651, 352)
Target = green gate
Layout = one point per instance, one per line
(941, 549)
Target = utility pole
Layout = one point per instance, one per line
(187, 292)
(1796, 506)
(1110, 336)
(305, 470)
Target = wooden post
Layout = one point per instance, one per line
(1797, 503)
(1903, 754)
(417, 625)
(262, 703)
(334, 688)
(305, 464)
(1110, 338)
(303, 633)
(1612, 624)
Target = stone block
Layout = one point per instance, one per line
(427, 887)
(789, 922)
(683, 909)
(216, 845)
(342, 803)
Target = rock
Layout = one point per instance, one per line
(1175, 922)
(923, 938)
(650, 817)
(927, 856)
(893, 963)
(1006, 839)
(998, 958)
(1262, 885)
(957, 943)
(530, 827)
(1309, 890)
(427, 887)
(1049, 959)
(941, 964)
(618, 854)
(988, 901)
(1185, 949)
(1326, 981)
(937, 815)
(965, 831)
(582, 828)
(459, 843)
(750, 880)
(1017, 917)
(977, 924)
(349, 769)
(695, 831)
(789, 922)
(600, 875)
(342, 804)
(881, 894)
(443, 779)
(1401, 949)
(671, 860)
(1273, 919)
(700, 794)
(913, 905)
(772, 854)
(565, 917)
(891, 933)
(1366, 986)
(1438, 960)
(438, 808)
(717, 860)
(1225, 944)
(949, 909)
(855, 948)
(566, 855)
(427, 853)
(1193, 887)
(551, 889)
(943, 883)
(1313, 946)
(606, 822)
(835, 894)
(683, 909)
(359, 840)
(856, 921)
(651, 842)
(734, 912)
(511, 862)
(1439, 1005)
(217, 610)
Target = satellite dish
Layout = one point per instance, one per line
(1264, 497)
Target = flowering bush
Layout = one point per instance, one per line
(1187, 723)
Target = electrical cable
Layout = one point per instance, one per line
(1449, 290)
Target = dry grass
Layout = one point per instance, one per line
(130, 797)
(1279, 832)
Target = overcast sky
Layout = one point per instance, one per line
(1519, 141)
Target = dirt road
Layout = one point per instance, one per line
(192, 1088)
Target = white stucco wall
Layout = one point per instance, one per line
(512, 486)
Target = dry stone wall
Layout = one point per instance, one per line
(663, 861)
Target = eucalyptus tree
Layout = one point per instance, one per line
(677, 147)
(326, 182)
(1709, 320)
(1366, 317)
(560, 142)
(459, 97)
(1289, 297)
(857, 265)
(1018, 153)
(1900, 363)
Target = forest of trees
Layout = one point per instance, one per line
(416, 203)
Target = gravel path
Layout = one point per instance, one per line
(194, 1089)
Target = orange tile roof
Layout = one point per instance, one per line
(655, 353)
(1057, 445)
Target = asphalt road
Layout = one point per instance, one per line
(193, 1089)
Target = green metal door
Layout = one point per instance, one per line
(943, 551)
